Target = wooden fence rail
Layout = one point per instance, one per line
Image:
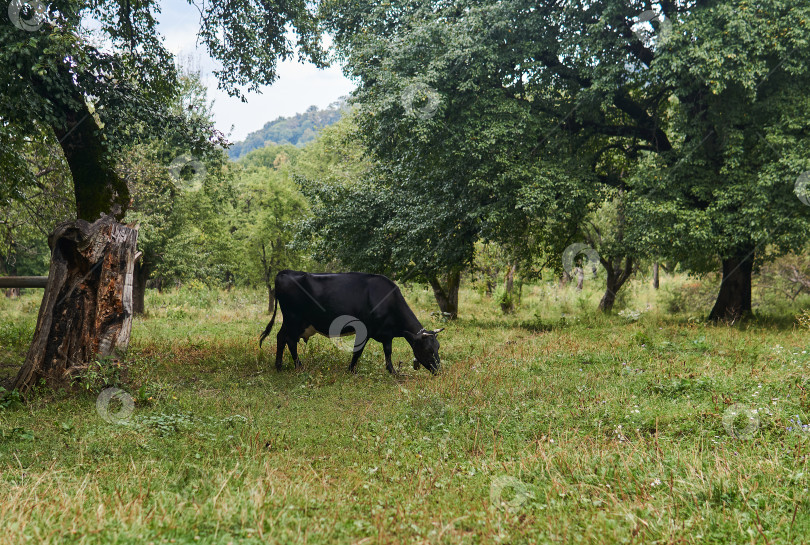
(23, 281)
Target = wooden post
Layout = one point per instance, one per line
(140, 277)
(86, 311)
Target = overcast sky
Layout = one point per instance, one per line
(298, 86)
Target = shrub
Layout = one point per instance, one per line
(694, 295)
(804, 319)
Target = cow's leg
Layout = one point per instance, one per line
(389, 366)
(358, 351)
(281, 341)
(292, 344)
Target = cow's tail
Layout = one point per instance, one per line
(270, 325)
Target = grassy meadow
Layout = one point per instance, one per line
(550, 425)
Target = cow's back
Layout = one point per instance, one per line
(319, 299)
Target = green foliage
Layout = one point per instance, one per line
(9, 400)
(168, 425)
(728, 183)
(32, 210)
(451, 144)
(693, 296)
(297, 130)
(100, 374)
(270, 157)
(219, 223)
(264, 217)
(678, 387)
(16, 434)
(102, 99)
(786, 277)
(15, 332)
(539, 110)
(364, 219)
(183, 223)
(505, 299)
(489, 261)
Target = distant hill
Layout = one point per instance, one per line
(296, 130)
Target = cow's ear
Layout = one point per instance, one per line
(437, 331)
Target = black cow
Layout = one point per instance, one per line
(367, 305)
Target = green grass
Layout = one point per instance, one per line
(551, 425)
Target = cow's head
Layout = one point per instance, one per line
(426, 350)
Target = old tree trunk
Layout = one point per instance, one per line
(86, 311)
(617, 275)
(734, 300)
(98, 187)
(447, 294)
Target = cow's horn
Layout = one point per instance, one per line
(436, 331)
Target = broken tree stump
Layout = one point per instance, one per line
(86, 312)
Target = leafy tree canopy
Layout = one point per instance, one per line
(104, 89)
(691, 108)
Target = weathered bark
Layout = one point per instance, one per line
(447, 295)
(580, 272)
(617, 275)
(734, 300)
(655, 281)
(86, 311)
